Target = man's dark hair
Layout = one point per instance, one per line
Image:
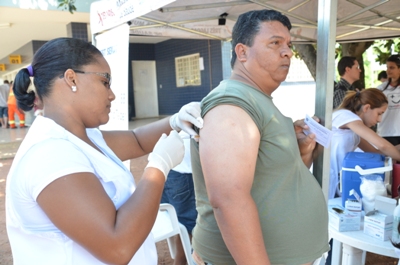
(248, 25)
(382, 74)
(6, 82)
(346, 61)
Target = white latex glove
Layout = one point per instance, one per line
(167, 153)
(187, 116)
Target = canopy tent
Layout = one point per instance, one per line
(333, 20)
(356, 20)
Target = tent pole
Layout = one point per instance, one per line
(327, 13)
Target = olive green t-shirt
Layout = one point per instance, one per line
(291, 206)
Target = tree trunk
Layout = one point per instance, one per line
(308, 54)
(356, 49)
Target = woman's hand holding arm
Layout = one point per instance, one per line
(187, 116)
(132, 144)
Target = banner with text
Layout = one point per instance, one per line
(108, 14)
(114, 45)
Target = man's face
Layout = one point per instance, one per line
(354, 71)
(268, 60)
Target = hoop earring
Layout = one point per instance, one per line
(73, 88)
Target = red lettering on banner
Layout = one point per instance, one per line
(100, 19)
(103, 15)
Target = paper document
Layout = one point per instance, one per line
(323, 135)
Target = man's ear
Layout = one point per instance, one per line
(241, 50)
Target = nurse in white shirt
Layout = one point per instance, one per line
(351, 124)
(69, 198)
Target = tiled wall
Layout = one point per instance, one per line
(78, 31)
(36, 44)
(226, 50)
(171, 98)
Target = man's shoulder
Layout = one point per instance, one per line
(343, 84)
(340, 86)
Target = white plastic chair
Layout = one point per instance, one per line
(167, 226)
(321, 260)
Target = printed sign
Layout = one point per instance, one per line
(15, 59)
(114, 45)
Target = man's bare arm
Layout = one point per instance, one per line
(228, 151)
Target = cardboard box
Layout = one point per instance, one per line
(379, 223)
(344, 220)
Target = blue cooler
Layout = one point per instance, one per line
(356, 164)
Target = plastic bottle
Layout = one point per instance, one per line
(396, 222)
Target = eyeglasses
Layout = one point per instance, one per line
(105, 75)
(358, 67)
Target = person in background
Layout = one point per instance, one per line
(382, 76)
(4, 90)
(389, 127)
(257, 201)
(13, 110)
(179, 192)
(349, 71)
(351, 124)
(69, 198)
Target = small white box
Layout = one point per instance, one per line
(379, 223)
(344, 220)
(353, 205)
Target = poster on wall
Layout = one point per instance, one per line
(114, 45)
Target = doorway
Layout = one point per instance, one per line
(145, 89)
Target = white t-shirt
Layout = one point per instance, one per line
(342, 142)
(390, 124)
(47, 153)
(186, 165)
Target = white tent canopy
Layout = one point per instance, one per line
(356, 20)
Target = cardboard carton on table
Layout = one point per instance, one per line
(379, 223)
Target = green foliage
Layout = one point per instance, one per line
(384, 48)
(338, 50)
(67, 5)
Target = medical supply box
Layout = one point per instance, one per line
(379, 223)
(356, 164)
(344, 220)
